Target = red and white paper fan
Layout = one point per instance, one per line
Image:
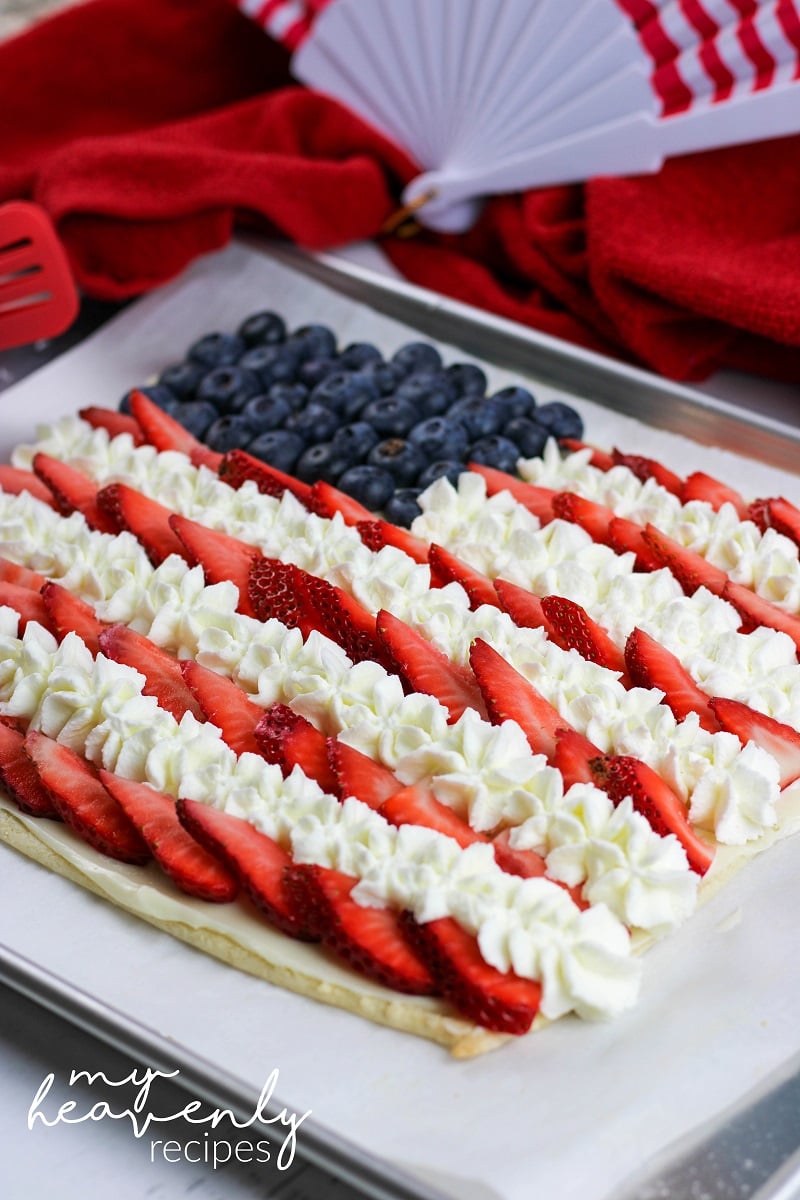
(492, 96)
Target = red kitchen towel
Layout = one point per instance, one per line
(149, 128)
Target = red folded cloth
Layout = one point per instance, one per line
(150, 128)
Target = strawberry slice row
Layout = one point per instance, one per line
(509, 695)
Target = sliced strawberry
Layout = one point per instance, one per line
(370, 939)
(691, 570)
(573, 757)
(649, 468)
(296, 597)
(506, 1003)
(779, 740)
(594, 518)
(626, 536)
(69, 614)
(225, 705)
(81, 800)
(758, 512)
(375, 534)
(146, 519)
(29, 604)
(525, 863)
(699, 486)
(537, 500)
(257, 861)
(780, 515)
(360, 776)
(528, 864)
(620, 776)
(19, 776)
(162, 672)
(274, 591)
(73, 492)
(576, 630)
(113, 421)
(600, 458)
(651, 665)
(288, 739)
(523, 607)
(164, 432)
(15, 480)
(189, 865)
(415, 806)
(237, 466)
(326, 500)
(426, 669)
(221, 557)
(510, 697)
(446, 568)
(755, 610)
(11, 572)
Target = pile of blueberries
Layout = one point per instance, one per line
(380, 430)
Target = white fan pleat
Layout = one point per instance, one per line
(611, 54)
(607, 150)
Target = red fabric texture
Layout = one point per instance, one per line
(150, 128)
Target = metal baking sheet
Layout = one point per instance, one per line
(584, 1070)
(660, 403)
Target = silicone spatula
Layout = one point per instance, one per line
(38, 298)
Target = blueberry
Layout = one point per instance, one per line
(262, 329)
(386, 376)
(356, 439)
(443, 466)
(196, 415)
(417, 356)
(314, 423)
(560, 420)
(272, 364)
(431, 393)
(314, 341)
(279, 448)
(217, 350)
(346, 393)
(228, 432)
(294, 394)
(160, 395)
(323, 461)
(266, 412)
(370, 486)
(468, 378)
(479, 416)
(229, 388)
(440, 437)
(402, 459)
(402, 507)
(530, 436)
(390, 417)
(182, 378)
(314, 370)
(358, 355)
(495, 451)
(516, 402)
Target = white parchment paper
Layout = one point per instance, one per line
(567, 1113)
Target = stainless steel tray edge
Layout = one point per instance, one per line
(375, 1177)
(619, 386)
